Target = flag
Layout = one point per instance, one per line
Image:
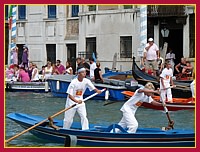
(10, 17)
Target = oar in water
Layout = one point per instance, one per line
(56, 114)
(171, 122)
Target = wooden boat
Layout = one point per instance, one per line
(124, 75)
(14, 86)
(60, 83)
(177, 104)
(182, 89)
(99, 135)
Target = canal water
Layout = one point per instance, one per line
(44, 104)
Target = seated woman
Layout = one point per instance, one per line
(23, 75)
(69, 70)
(98, 74)
(179, 67)
(187, 70)
(35, 74)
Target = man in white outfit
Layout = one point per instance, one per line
(92, 67)
(143, 94)
(151, 55)
(75, 93)
(165, 80)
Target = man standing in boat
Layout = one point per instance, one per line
(165, 80)
(143, 94)
(151, 56)
(75, 93)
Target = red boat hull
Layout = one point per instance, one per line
(178, 103)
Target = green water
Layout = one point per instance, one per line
(43, 104)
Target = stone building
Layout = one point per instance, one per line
(68, 31)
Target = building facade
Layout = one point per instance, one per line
(66, 32)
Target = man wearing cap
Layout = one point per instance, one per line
(143, 94)
(75, 93)
(152, 54)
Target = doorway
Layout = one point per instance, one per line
(175, 42)
(71, 55)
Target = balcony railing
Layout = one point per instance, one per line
(85, 55)
(166, 10)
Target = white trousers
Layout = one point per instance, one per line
(164, 93)
(129, 121)
(192, 87)
(69, 115)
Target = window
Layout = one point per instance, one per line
(128, 6)
(91, 47)
(51, 52)
(51, 11)
(92, 7)
(21, 12)
(75, 10)
(6, 12)
(126, 46)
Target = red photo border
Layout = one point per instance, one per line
(2, 148)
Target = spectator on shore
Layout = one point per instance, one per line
(152, 54)
(187, 70)
(179, 67)
(23, 75)
(10, 72)
(98, 74)
(170, 57)
(54, 69)
(47, 71)
(29, 69)
(60, 67)
(15, 55)
(69, 70)
(16, 71)
(78, 61)
(42, 71)
(86, 66)
(92, 67)
(35, 74)
(25, 57)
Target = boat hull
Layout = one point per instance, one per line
(178, 103)
(27, 87)
(59, 89)
(101, 135)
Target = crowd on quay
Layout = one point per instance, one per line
(28, 71)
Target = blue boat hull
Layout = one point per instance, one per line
(101, 135)
(114, 94)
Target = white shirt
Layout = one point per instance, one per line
(151, 52)
(171, 57)
(77, 89)
(68, 70)
(36, 77)
(48, 72)
(166, 74)
(92, 68)
(135, 101)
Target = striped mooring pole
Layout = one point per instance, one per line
(13, 32)
(143, 29)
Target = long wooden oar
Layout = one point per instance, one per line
(171, 122)
(56, 114)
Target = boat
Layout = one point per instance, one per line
(106, 136)
(118, 75)
(60, 83)
(177, 104)
(182, 89)
(14, 86)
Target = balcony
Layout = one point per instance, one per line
(165, 10)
